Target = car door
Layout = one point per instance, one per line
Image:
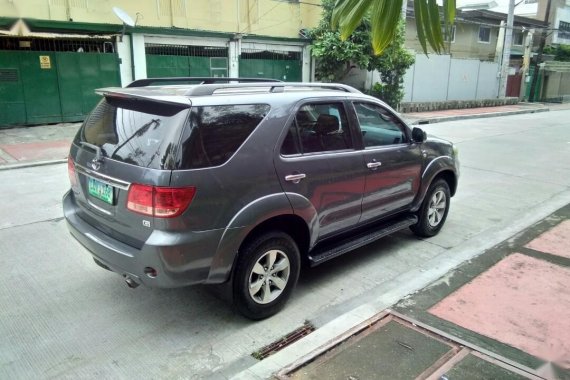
(318, 162)
(394, 163)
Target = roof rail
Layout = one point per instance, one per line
(210, 89)
(196, 80)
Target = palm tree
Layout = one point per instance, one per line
(384, 17)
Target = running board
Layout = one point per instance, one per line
(330, 251)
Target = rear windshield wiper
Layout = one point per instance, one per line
(99, 152)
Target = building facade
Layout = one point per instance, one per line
(54, 53)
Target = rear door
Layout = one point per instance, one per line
(120, 145)
(318, 161)
(394, 163)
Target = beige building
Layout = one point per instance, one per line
(54, 53)
(275, 18)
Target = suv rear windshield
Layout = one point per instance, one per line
(214, 133)
(141, 133)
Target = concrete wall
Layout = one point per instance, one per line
(263, 17)
(556, 81)
(442, 78)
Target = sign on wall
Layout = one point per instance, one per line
(45, 62)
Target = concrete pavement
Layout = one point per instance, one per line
(410, 282)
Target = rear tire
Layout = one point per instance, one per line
(266, 274)
(433, 213)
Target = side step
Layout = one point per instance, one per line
(332, 250)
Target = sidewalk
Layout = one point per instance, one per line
(37, 145)
(503, 315)
(48, 144)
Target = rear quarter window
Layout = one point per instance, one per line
(214, 133)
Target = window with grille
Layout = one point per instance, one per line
(484, 34)
(564, 30)
(92, 45)
(518, 38)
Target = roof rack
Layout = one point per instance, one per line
(230, 88)
(197, 80)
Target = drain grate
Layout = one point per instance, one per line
(287, 340)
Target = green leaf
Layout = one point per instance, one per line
(348, 14)
(449, 11)
(435, 25)
(420, 24)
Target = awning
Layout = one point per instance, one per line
(6, 23)
(23, 28)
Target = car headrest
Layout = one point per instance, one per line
(326, 124)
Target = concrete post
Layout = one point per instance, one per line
(507, 50)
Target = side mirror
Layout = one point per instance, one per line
(418, 135)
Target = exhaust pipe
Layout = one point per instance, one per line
(131, 283)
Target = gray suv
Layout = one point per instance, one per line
(180, 181)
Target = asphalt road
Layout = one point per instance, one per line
(64, 317)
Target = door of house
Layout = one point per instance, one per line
(514, 85)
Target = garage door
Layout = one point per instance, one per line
(185, 61)
(282, 65)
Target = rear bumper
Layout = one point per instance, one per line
(180, 258)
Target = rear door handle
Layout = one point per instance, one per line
(373, 165)
(295, 178)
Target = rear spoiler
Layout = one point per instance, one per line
(147, 101)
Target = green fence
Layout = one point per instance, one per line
(38, 87)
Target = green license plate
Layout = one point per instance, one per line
(100, 190)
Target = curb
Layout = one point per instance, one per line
(32, 164)
(441, 119)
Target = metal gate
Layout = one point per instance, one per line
(53, 80)
(185, 61)
(282, 65)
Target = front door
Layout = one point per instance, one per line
(394, 163)
(318, 161)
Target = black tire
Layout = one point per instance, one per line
(269, 298)
(427, 227)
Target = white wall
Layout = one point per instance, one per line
(440, 78)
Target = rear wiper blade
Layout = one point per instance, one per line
(99, 152)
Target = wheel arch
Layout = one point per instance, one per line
(441, 168)
(267, 213)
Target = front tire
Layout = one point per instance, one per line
(433, 213)
(266, 274)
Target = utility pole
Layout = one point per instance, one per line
(532, 96)
(507, 50)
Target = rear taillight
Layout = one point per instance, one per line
(71, 172)
(161, 202)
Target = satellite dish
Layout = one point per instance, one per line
(123, 16)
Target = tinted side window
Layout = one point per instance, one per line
(214, 133)
(318, 127)
(378, 126)
(125, 132)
